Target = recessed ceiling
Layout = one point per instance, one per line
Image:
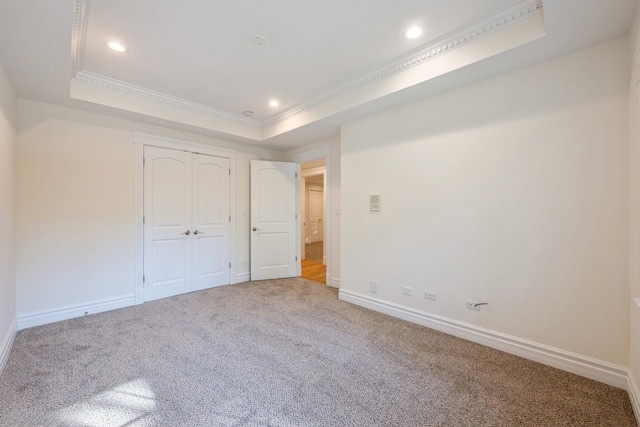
(196, 65)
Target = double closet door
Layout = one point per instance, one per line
(186, 222)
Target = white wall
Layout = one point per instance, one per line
(8, 130)
(75, 227)
(634, 214)
(512, 191)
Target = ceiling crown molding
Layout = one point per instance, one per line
(120, 86)
(504, 19)
(515, 13)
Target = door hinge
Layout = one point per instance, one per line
(296, 216)
(229, 171)
(143, 219)
(143, 278)
(229, 265)
(296, 174)
(229, 218)
(296, 258)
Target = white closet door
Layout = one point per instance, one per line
(167, 227)
(210, 221)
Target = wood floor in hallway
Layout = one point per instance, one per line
(314, 270)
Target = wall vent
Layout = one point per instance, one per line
(374, 202)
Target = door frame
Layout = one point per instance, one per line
(141, 139)
(323, 153)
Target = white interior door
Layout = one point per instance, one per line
(210, 266)
(167, 225)
(275, 243)
(186, 227)
(315, 198)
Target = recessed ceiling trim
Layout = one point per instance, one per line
(530, 9)
(78, 34)
(113, 84)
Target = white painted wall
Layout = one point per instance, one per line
(8, 131)
(634, 213)
(512, 191)
(75, 226)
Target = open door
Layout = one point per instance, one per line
(275, 216)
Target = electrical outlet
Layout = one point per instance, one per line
(472, 305)
(430, 295)
(407, 290)
(373, 286)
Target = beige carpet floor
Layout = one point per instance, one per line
(281, 353)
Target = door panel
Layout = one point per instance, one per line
(211, 221)
(275, 245)
(186, 232)
(167, 204)
(316, 201)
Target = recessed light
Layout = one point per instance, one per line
(116, 46)
(274, 103)
(413, 32)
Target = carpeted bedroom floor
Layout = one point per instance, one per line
(281, 353)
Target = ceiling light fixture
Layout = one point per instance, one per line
(274, 103)
(116, 47)
(248, 113)
(413, 32)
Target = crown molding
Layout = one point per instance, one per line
(129, 89)
(477, 30)
(78, 34)
(506, 18)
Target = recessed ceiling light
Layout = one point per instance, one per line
(116, 46)
(274, 103)
(413, 32)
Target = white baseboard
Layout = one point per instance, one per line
(334, 282)
(138, 296)
(69, 312)
(244, 277)
(7, 344)
(594, 369)
(634, 395)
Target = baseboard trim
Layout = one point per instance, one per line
(50, 316)
(594, 369)
(7, 344)
(634, 395)
(334, 282)
(244, 277)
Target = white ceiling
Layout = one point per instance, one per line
(191, 64)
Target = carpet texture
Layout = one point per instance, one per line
(281, 353)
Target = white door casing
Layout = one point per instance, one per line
(275, 212)
(186, 227)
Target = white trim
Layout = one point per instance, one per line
(499, 21)
(243, 277)
(634, 395)
(598, 370)
(7, 344)
(179, 144)
(141, 139)
(637, 301)
(72, 311)
(334, 282)
(318, 154)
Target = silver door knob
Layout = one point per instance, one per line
(198, 232)
(187, 232)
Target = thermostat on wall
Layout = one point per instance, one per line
(374, 202)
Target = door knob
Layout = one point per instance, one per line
(255, 229)
(186, 232)
(198, 232)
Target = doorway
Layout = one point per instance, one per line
(313, 232)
